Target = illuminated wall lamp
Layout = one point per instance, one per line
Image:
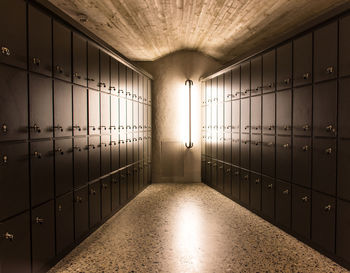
(189, 144)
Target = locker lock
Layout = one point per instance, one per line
(9, 236)
(128, 93)
(39, 220)
(305, 148)
(77, 127)
(93, 128)
(330, 129)
(113, 127)
(270, 127)
(270, 186)
(286, 146)
(306, 127)
(5, 51)
(113, 143)
(104, 186)
(330, 70)
(79, 199)
(134, 127)
(77, 148)
(121, 127)
(104, 127)
(92, 146)
(37, 155)
(134, 96)
(104, 144)
(306, 76)
(121, 141)
(246, 177)
(4, 128)
(92, 191)
(59, 207)
(36, 128)
(328, 208)
(58, 128)
(285, 191)
(120, 91)
(102, 84)
(286, 127)
(305, 199)
(256, 143)
(287, 81)
(228, 171)
(328, 151)
(112, 88)
(36, 61)
(59, 150)
(257, 181)
(76, 75)
(59, 69)
(4, 159)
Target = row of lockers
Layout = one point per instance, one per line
(306, 213)
(55, 50)
(58, 224)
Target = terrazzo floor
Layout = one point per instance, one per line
(187, 228)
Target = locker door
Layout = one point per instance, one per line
(256, 75)
(106, 197)
(268, 114)
(114, 114)
(236, 82)
(145, 90)
(128, 115)
(130, 182)
(235, 182)
(208, 171)
(129, 83)
(227, 180)
(94, 204)
(80, 161)
(79, 60)
(220, 182)
(15, 246)
(326, 52)
(145, 146)
(227, 86)
(122, 80)
(135, 118)
(284, 66)
(214, 90)
(245, 151)
(104, 83)
(81, 213)
(94, 157)
(40, 101)
(343, 169)
(268, 155)
(93, 66)
(227, 116)
(62, 108)
(236, 115)
(145, 117)
(13, 96)
(43, 236)
(140, 125)
(80, 103)
(220, 146)
(123, 187)
(141, 176)
(42, 185)
(235, 149)
(284, 158)
(221, 89)
(40, 41)
(64, 223)
(14, 175)
(105, 114)
(94, 112)
(62, 52)
(122, 115)
(245, 79)
(227, 147)
(255, 192)
(324, 165)
(344, 107)
(220, 116)
(284, 112)
(214, 145)
(283, 204)
(115, 191)
(13, 36)
(122, 150)
(214, 174)
(343, 223)
(268, 197)
(129, 152)
(256, 114)
(301, 211)
(255, 153)
(302, 60)
(269, 71)
(136, 179)
(140, 146)
(114, 77)
(140, 96)
(302, 153)
(135, 147)
(135, 85)
(203, 163)
(323, 221)
(63, 166)
(114, 152)
(244, 187)
(245, 115)
(344, 45)
(302, 111)
(105, 154)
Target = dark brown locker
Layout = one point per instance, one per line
(255, 153)
(129, 114)
(105, 154)
(122, 115)
(14, 97)
(140, 121)
(235, 146)
(81, 213)
(62, 109)
(80, 103)
(43, 236)
(114, 86)
(245, 79)
(245, 115)
(302, 155)
(149, 117)
(269, 71)
(244, 187)
(268, 155)
(220, 182)
(343, 223)
(94, 112)
(256, 114)
(135, 147)
(15, 245)
(114, 115)
(302, 111)
(79, 60)
(122, 150)
(220, 146)
(94, 204)
(105, 114)
(13, 36)
(140, 146)
(344, 45)
(129, 151)
(268, 119)
(207, 171)
(324, 165)
(62, 52)
(214, 145)
(284, 112)
(284, 66)
(123, 187)
(40, 101)
(268, 197)
(136, 179)
(256, 75)
(80, 151)
(245, 151)
(130, 182)
(115, 192)
(220, 116)
(93, 64)
(326, 52)
(145, 90)
(42, 176)
(227, 117)
(142, 183)
(323, 221)
(63, 166)
(104, 82)
(302, 60)
(227, 147)
(227, 180)
(301, 211)
(255, 192)
(114, 152)
(14, 175)
(235, 182)
(40, 41)
(343, 169)
(129, 83)
(203, 163)
(94, 157)
(227, 86)
(284, 158)
(325, 109)
(135, 85)
(106, 197)
(64, 223)
(140, 83)
(236, 82)
(135, 116)
(122, 80)
(283, 204)
(214, 174)
(235, 115)
(344, 107)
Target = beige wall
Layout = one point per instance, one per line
(169, 114)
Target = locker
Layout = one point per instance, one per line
(79, 60)
(64, 223)
(208, 92)
(63, 166)
(268, 197)
(141, 176)
(115, 191)
(284, 66)
(268, 119)
(269, 71)
(326, 52)
(227, 116)
(105, 114)
(94, 157)
(284, 112)
(235, 145)
(227, 86)
(214, 90)
(220, 116)
(140, 146)
(227, 147)
(40, 41)
(94, 112)
(203, 163)
(94, 204)
(343, 223)
(128, 115)
(105, 154)
(43, 236)
(135, 147)
(255, 153)
(135, 85)
(114, 77)
(236, 82)
(221, 89)
(235, 182)
(244, 187)
(129, 86)
(208, 171)
(284, 158)
(220, 146)
(256, 75)
(14, 175)
(140, 121)
(129, 151)
(130, 182)
(13, 48)
(114, 114)
(245, 115)
(343, 169)
(122, 150)
(141, 82)
(122, 115)
(256, 114)
(301, 211)
(104, 82)
(93, 64)
(80, 159)
(61, 52)
(302, 60)
(40, 101)
(123, 187)
(15, 245)
(149, 94)
(220, 182)
(255, 192)
(245, 151)
(344, 45)
(227, 180)
(302, 111)
(344, 108)
(13, 95)
(145, 117)
(324, 165)
(214, 145)
(136, 179)
(145, 146)
(236, 115)
(145, 90)
(122, 80)
(106, 197)
(62, 109)
(302, 155)
(268, 155)
(42, 173)
(79, 110)
(135, 116)
(114, 152)
(81, 213)
(214, 174)
(323, 221)
(245, 79)
(283, 204)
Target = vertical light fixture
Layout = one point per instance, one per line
(189, 144)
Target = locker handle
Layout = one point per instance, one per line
(305, 148)
(246, 127)
(102, 84)
(257, 181)
(5, 51)
(271, 127)
(104, 127)
(58, 128)
(208, 162)
(93, 128)
(257, 143)
(286, 81)
(221, 167)
(92, 191)
(59, 69)
(136, 170)
(237, 93)
(134, 139)
(229, 95)
(134, 96)
(104, 186)
(245, 141)
(76, 75)
(121, 141)
(286, 127)
(256, 127)
(328, 208)
(306, 76)
(77, 127)
(270, 186)
(91, 146)
(330, 128)
(128, 140)
(140, 127)
(228, 171)
(330, 70)
(228, 127)
(128, 127)
(104, 144)
(37, 155)
(306, 127)
(113, 143)
(36, 128)
(286, 146)
(9, 236)
(286, 192)
(39, 220)
(140, 98)
(305, 199)
(144, 99)
(128, 93)
(91, 79)
(134, 127)
(112, 88)
(140, 138)
(112, 127)
(79, 199)
(114, 180)
(59, 150)
(4, 128)
(36, 61)
(120, 91)
(246, 177)
(4, 159)
(328, 151)
(77, 148)
(121, 127)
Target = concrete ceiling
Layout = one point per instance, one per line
(145, 30)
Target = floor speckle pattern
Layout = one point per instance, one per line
(190, 228)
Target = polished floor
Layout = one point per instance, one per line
(187, 228)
